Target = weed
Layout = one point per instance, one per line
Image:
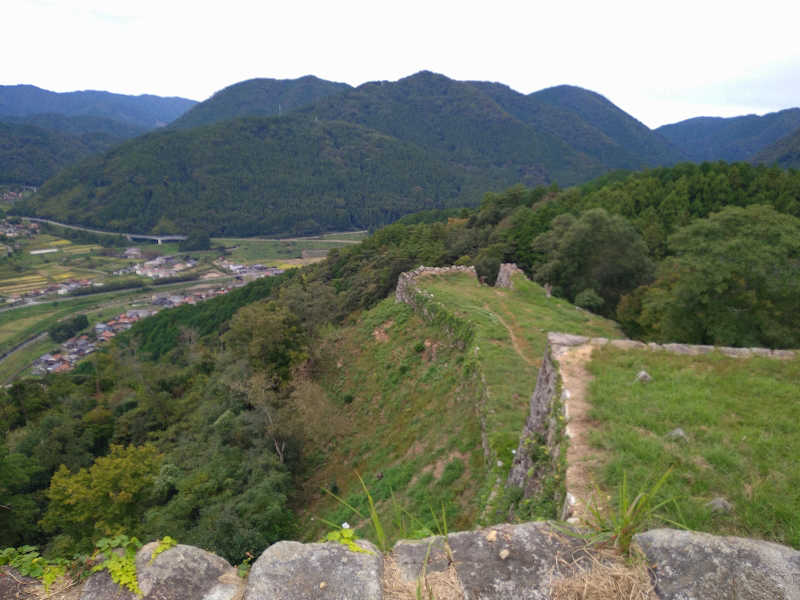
(618, 524)
(119, 555)
(164, 544)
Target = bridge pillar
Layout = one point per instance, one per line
(159, 241)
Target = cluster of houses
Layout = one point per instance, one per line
(23, 229)
(188, 297)
(247, 271)
(76, 348)
(163, 266)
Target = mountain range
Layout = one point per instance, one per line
(269, 156)
(41, 132)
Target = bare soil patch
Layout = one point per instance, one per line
(582, 458)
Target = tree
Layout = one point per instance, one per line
(110, 496)
(595, 251)
(734, 280)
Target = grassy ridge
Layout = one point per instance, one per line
(417, 407)
(740, 417)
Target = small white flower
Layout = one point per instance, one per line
(513, 452)
(345, 525)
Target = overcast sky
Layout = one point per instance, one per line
(660, 62)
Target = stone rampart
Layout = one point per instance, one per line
(407, 282)
(505, 274)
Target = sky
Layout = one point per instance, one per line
(661, 62)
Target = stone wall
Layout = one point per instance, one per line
(505, 274)
(407, 282)
(501, 562)
(538, 451)
(561, 342)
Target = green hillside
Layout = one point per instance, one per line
(462, 125)
(633, 145)
(30, 155)
(258, 98)
(731, 139)
(783, 153)
(253, 176)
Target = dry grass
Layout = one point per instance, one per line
(441, 585)
(610, 577)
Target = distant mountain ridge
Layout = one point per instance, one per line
(258, 98)
(41, 132)
(145, 111)
(730, 139)
(784, 153)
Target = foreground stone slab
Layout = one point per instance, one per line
(689, 565)
(504, 562)
(180, 573)
(316, 571)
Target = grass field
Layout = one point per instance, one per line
(249, 251)
(17, 363)
(742, 421)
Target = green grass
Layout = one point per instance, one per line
(17, 363)
(742, 418)
(408, 402)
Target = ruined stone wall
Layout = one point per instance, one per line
(561, 342)
(504, 275)
(538, 450)
(407, 282)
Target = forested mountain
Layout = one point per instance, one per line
(36, 147)
(30, 155)
(258, 98)
(587, 122)
(463, 125)
(784, 153)
(144, 111)
(730, 139)
(252, 176)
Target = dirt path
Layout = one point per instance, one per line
(515, 342)
(582, 458)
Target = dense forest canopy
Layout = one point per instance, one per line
(191, 420)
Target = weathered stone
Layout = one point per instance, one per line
(516, 563)
(598, 341)
(719, 505)
(505, 275)
(735, 352)
(180, 573)
(687, 349)
(540, 426)
(678, 435)
(628, 344)
(784, 354)
(566, 339)
(100, 587)
(14, 585)
(297, 571)
(765, 352)
(689, 565)
(643, 377)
